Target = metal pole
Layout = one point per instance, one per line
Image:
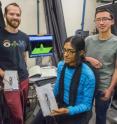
(38, 59)
(83, 15)
(38, 16)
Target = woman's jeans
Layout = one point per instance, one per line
(62, 119)
(101, 108)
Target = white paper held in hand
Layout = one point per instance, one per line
(10, 80)
(46, 99)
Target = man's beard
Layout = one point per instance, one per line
(13, 23)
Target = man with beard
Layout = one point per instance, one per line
(13, 47)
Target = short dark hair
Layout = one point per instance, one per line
(12, 4)
(99, 10)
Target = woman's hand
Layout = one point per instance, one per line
(94, 62)
(59, 111)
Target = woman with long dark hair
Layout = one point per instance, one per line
(74, 87)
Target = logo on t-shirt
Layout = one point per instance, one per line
(14, 44)
(6, 43)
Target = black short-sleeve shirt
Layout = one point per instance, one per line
(12, 47)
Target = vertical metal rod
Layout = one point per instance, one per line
(38, 16)
(83, 15)
(38, 31)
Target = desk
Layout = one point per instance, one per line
(47, 74)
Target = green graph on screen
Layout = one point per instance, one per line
(41, 50)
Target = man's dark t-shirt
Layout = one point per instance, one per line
(12, 47)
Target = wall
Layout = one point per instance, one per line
(72, 10)
(90, 14)
(73, 15)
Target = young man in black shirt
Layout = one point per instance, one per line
(13, 47)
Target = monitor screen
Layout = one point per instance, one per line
(40, 45)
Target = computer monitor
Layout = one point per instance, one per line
(40, 45)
